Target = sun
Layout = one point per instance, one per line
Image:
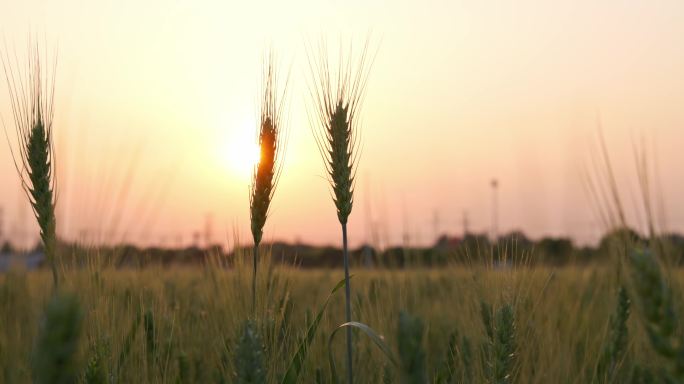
(240, 152)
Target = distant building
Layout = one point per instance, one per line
(446, 242)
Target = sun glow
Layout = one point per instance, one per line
(241, 152)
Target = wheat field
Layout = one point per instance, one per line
(493, 314)
(186, 325)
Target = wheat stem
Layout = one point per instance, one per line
(347, 305)
(255, 259)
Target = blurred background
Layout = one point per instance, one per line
(156, 105)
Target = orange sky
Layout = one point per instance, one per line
(155, 99)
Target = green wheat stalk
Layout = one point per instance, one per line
(249, 356)
(54, 356)
(32, 109)
(337, 100)
(500, 350)
(657, 308)
(411, 351)
(96, 371)
(267, 171)
(616, 346)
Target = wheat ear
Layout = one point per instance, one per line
(267, 171)
(32, 109)
(338, 100)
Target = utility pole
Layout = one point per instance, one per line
(495, 209)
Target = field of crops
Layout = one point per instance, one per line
(453, 325)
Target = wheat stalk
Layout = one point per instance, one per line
(267, 171)
(410, 339)
(616, 347)
(54, 356)
(655, 301)
(249, 355)
(32, 110)
(337, 102)
(500, 349)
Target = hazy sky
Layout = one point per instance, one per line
(156, 101)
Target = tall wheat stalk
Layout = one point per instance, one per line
(32, 109)
(267, 171)
(337, 100)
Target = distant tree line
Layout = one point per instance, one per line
(513, 247)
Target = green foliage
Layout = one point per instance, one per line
(249, 357)
(641, 375)
(656, 306)
(387, 374)
(457, 364)
(500, 349)
(447, 371)
(411, 352)
(467, 360)
(294, 369)
(96, 370)
(319, 377)
(150, 336)
(184, 369)
(54, 356)
(615, 348)
(486, 314)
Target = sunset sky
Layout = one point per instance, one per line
(155, 110)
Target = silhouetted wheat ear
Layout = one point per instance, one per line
(271, 145)
(32, 103)
(262, 185)
(267, 171)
